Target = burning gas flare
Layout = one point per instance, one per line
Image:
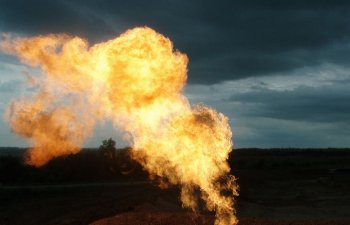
(135, 80)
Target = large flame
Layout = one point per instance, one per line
(136, 80)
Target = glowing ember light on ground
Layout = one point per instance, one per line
(135, 80)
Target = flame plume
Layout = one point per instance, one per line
(135, 80)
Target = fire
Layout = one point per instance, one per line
(135, 80)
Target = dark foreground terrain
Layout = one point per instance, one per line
(277, 187)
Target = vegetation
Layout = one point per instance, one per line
(110, 164)
(90, 165)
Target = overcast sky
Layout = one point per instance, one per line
(280, 70)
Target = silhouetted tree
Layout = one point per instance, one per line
(107, 149)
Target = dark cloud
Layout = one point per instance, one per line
(41, 17)
(329, 103)
(225, 40)
(317, 115)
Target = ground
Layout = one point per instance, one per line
(275, 189)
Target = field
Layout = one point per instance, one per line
(278, 186)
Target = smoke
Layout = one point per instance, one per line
(136, 80)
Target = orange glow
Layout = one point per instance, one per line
(135, 80)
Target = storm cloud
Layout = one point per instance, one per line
(226, 40)
(279, 69)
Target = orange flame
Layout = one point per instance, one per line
(136, 80)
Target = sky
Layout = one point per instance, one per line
(280, 70)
